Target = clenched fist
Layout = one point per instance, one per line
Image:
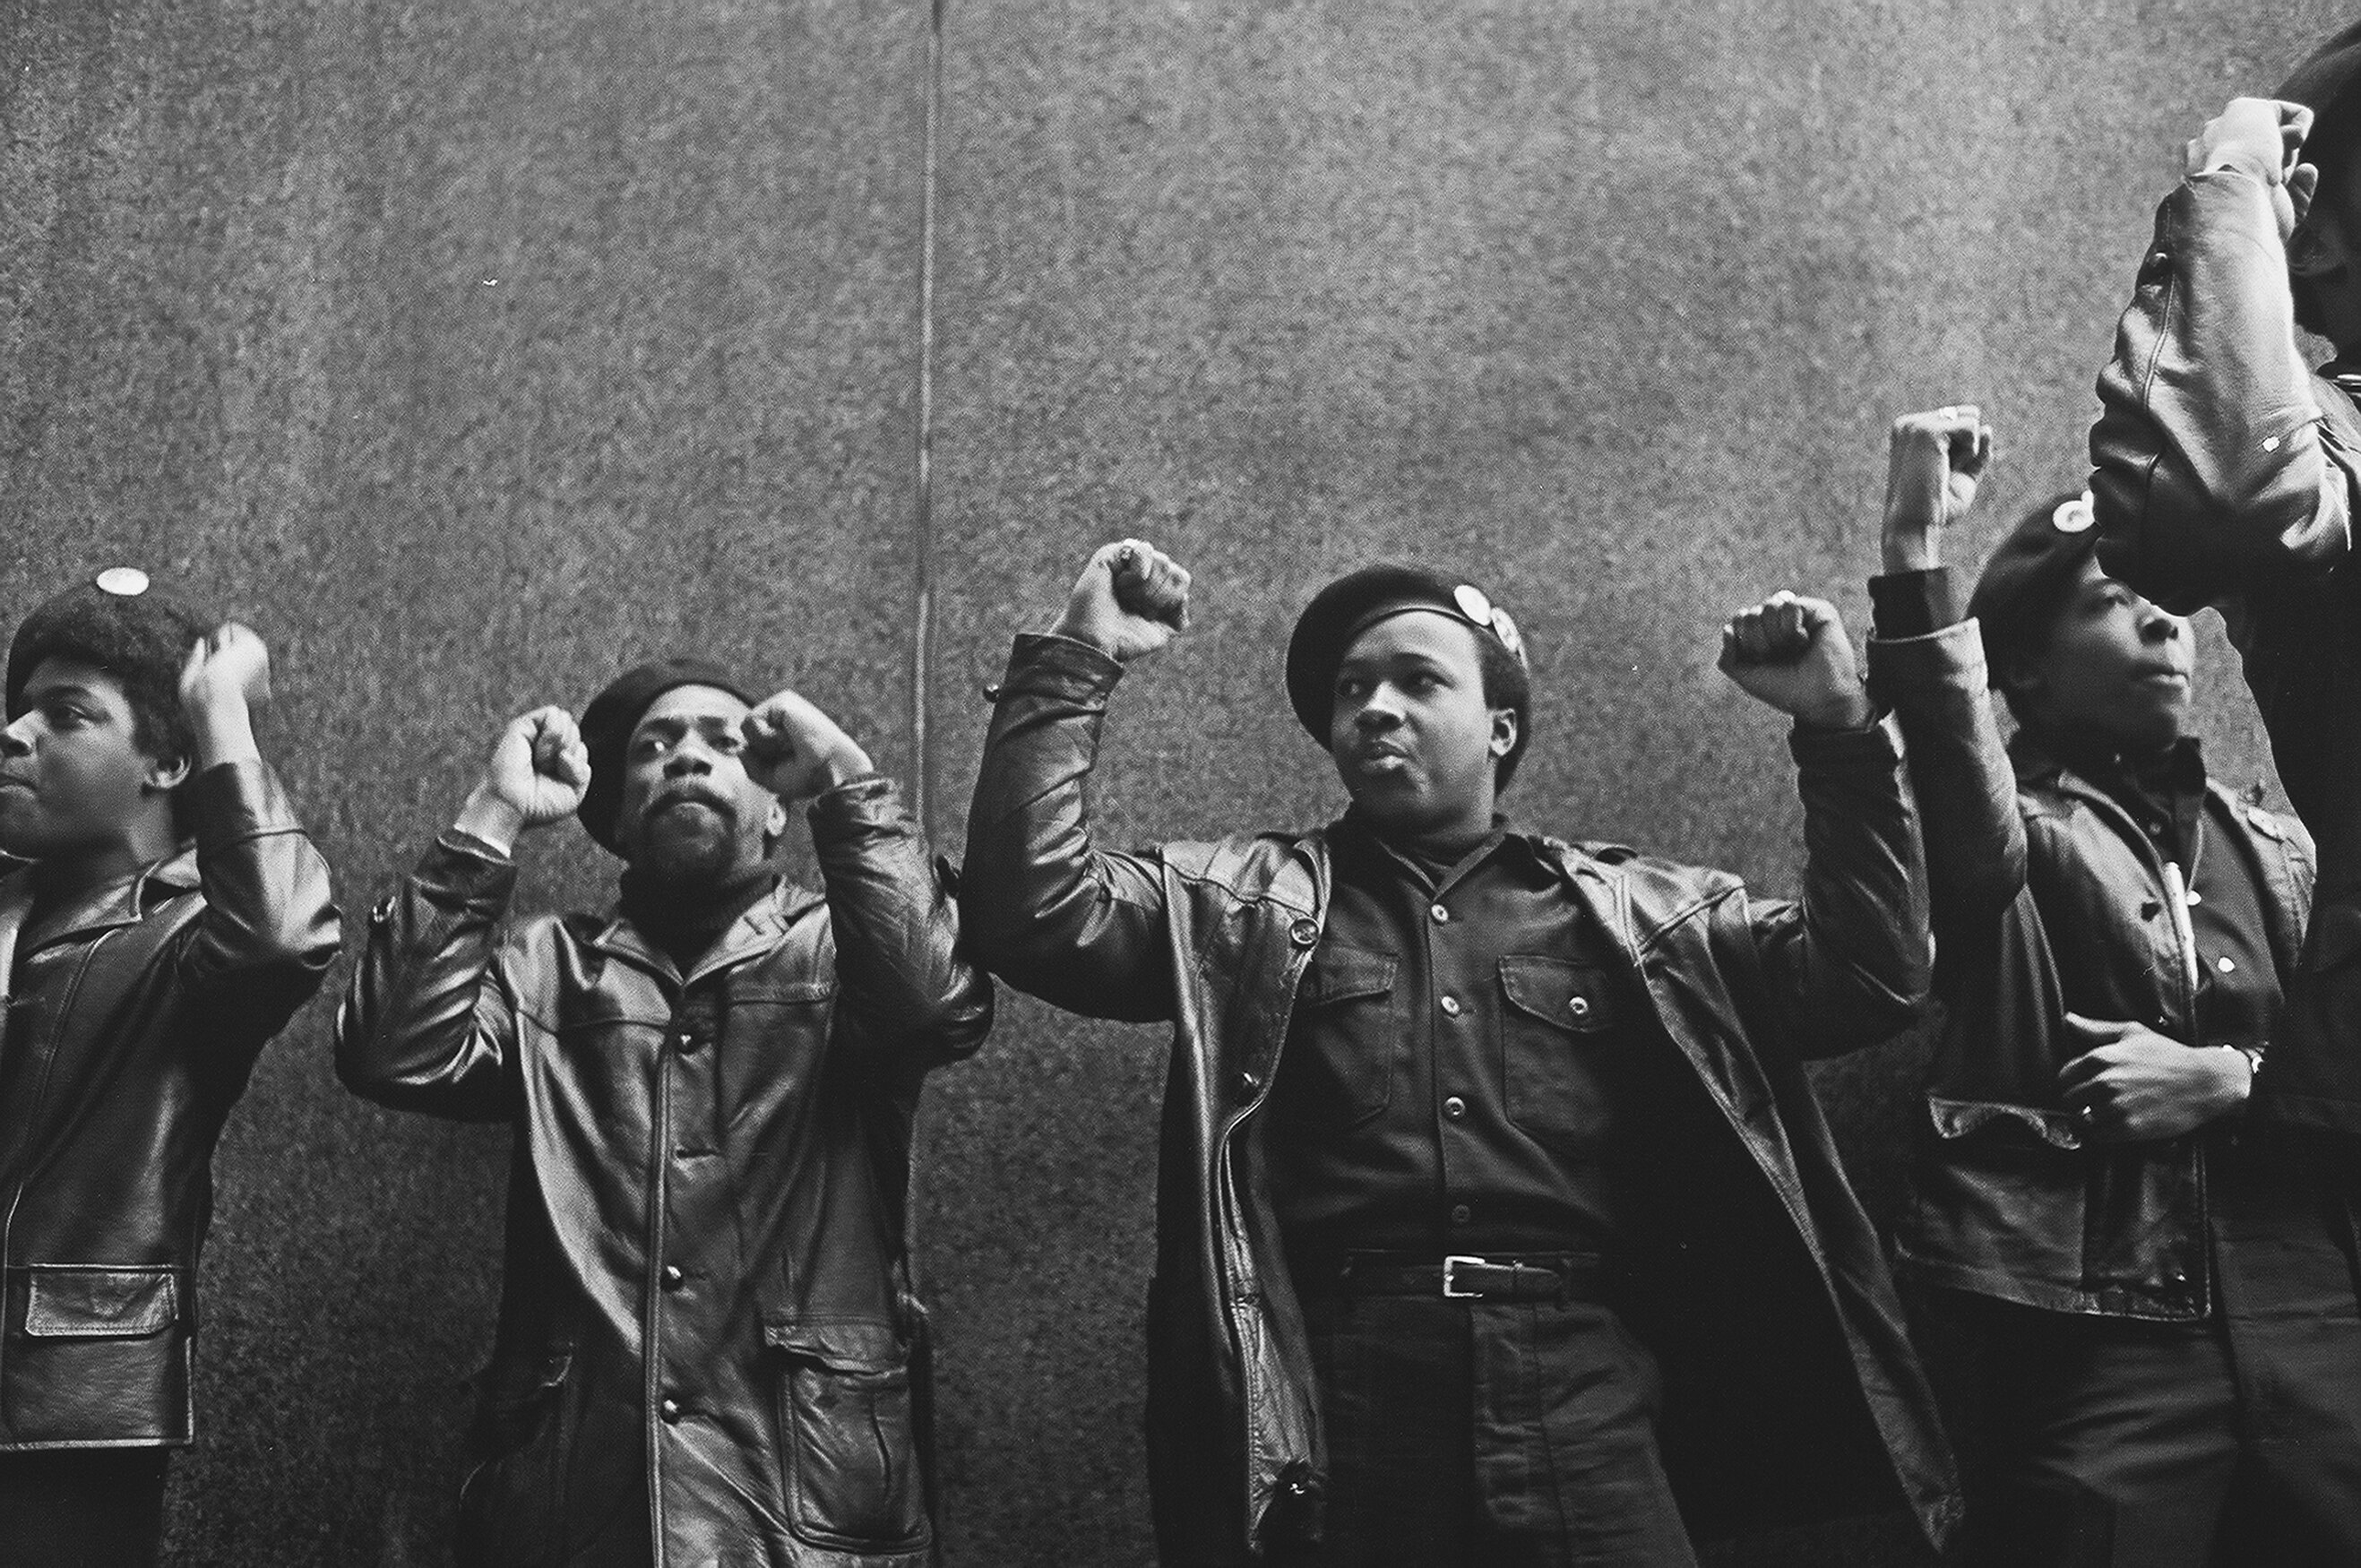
(1793, 653)
(224, 677)
(1129, 600)
(1933, 464)
(538, 773)
(796, 751)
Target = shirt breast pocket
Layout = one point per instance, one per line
(1553, 1016)
(1345, 1006)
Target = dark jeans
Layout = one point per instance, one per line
(1487, 1436)
(82, 1508)
(2106, 1442)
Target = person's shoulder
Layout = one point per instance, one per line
(1650, 882)
(1249, 865)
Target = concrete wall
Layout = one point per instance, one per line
(472, 350)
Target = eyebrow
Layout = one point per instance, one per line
(675, 725)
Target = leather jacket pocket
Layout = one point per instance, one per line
(513, 1502)
(84, 1301)
(849, 1434)
(1345, 1009)
(1554, 1009)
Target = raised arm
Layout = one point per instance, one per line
(1927, 666)
(269, 930)
(427, 1023)
(896, 930)
(1045, 907)
(2220, 461)
(1848, 965)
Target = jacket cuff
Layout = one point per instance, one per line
(1872, 747)
(232, 802)
(461, 871)
(872, 800)
(1950, 659)
(1058, 667)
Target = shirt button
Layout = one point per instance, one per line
(673, 1277)
(669, 1411)
(2226, 963)
(1439, 915)
(685, 1043)
(1455, 1108)
(1450, 1005)
(1580, 1006)
(1461, 1214)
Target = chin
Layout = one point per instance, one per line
(701, 857)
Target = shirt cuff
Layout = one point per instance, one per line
(1912, 604)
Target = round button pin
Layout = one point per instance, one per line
(123, 582)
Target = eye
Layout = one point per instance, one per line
(728, 741)
(1351, 686)
(648, 746)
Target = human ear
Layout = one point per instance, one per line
(1504, 732)
(165, 775)
(775, 823)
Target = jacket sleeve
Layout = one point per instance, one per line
(429, 1021)
(1959, 774)
(899, 970)
(1045, 908)
(1848, 965)
(269, 930)
(2215, 468)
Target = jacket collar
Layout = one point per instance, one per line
(760, 930)
(116, 904)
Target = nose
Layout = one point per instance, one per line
(16, 739)
(2158, 625)
(1382, 709)
(688, 759)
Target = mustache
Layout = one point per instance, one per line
(690, 793)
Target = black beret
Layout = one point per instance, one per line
(121, 625)
(2329, 85)
(1352, 604)
(2025, 583)
(614, 713)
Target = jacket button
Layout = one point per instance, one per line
(1461, 1214)
(685, 1042)
(1248, 1084)
(670, 1410)
(1304, 932)
(673, 1277)
(1580, 1006)
(1453, 1108)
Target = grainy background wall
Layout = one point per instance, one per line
(473, 349)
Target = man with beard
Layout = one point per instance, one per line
(170, 917)
(708, 1351)
(1496, 1221)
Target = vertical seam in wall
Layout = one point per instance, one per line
(922, 511)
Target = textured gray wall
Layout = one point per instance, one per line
(471, 350)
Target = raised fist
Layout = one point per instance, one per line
(1793, 653)
(228, 663)
(794, 750)
(539, 771)
(1933, 464)
(2264, 137)
(1129, 600)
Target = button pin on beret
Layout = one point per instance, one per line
(2074, 515)
(123, 582)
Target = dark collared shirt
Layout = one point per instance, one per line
(1463, 1071)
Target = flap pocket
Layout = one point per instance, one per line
(70, 1302)
(1570, 995)
(841, 1344)
(1965, 1118)
(1339, 974)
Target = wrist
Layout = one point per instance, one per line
(843, 765)
(221, 730)
(1841, 711)
(491, 817)
(1912, 550)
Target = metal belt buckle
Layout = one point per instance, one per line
(1451, 1267)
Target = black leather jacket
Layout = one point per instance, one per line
(706, 1335)
(1791, 1391)
(134, 1020)
(2047, 898)
(2224, 473)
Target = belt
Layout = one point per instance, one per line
(1462, 1277)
